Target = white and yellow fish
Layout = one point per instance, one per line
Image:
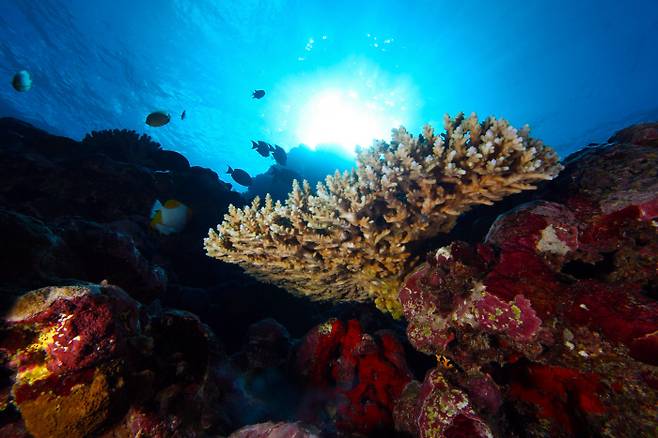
(170, 217)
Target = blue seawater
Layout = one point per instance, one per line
(337, 73)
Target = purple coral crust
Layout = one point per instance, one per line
(515, 319)
(275, 430)
(432, 321)
(541, 227)
(446, 411)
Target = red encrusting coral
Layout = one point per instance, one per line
(361, 375)
(560, 394)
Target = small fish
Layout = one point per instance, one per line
(279, 154)
(240, 176)
(158, 118)
(261, 147)
(182, 116)
(258, 94)
(170, 217)
(22, 81)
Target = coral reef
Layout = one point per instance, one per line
(541, 310)
(555, 313)
(353, 238)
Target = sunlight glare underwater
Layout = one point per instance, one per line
(348, 106)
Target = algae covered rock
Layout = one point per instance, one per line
(66, 345)
(548, 327)
(89, 359)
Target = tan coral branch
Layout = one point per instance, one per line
(349, 240)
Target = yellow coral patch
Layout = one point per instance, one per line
(517, 311)
(78, 414)
(43, 341)
(32, 374)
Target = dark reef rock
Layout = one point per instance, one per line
(81, 210)
(277, 181)
(130, 147)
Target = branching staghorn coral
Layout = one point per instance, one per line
(350, 240)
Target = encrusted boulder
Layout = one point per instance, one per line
(66, 345)
(90, 359)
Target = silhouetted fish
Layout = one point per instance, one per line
(157, 119)
(240, 176)
(279, 154)
(182, 116)
(22, 81)
(258, 94)
(262, 148)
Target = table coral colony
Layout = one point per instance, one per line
(353, 238)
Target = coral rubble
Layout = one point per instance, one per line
(353, 238)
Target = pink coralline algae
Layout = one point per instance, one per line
(544, 228)
(446, 296)
(358, 374)
(276, 430)
(548, 329)
(557, 309)
(437, 409)
(516, 318)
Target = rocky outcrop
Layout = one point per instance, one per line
(548, 327)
